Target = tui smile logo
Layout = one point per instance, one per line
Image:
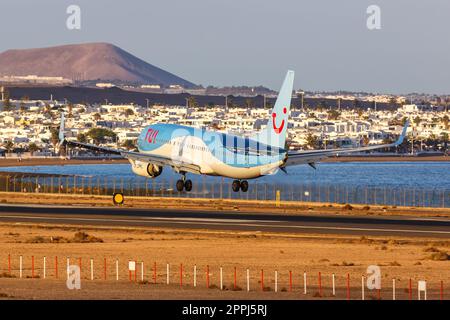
(151, 135)
(279, 129)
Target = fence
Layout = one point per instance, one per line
(140, 186)
(296, 281)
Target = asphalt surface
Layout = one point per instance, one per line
(213, 220)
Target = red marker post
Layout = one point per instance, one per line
(262, 280)
(79, 263)
(320, 285)
(410, 289)
(154, 273)
(9, 264)
(348, 286)
(32, 266)
(207, 276)
(104, 269)
(442, 290)
(181, 275)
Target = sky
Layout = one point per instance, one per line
(254, 42)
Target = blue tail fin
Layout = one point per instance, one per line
(275, 132)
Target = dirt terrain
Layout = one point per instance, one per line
(402, 259)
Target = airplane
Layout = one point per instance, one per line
(205, 152)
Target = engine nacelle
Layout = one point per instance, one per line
(146, 169)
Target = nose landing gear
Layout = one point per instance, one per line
(242, 185)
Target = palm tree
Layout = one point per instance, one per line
(8, 145)
(311, 140)
(32, 147)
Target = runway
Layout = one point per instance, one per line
(213, 220)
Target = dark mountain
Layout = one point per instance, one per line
(90, 61)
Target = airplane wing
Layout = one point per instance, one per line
(312, 156)
(177, 165)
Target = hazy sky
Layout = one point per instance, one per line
(253, 42)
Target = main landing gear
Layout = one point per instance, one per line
(184, 184)
(242, 185)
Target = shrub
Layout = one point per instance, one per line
(347, 206)
(83, 237)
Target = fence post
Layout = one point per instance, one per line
(207, 276)
(154, 272)
(304, 282)
(410, 289)
(362, 289)
(276, 281)
(221, 278)
(393, 289)
(92, 269)
(320, 285)
(333, 283)
(167, 276)
(20, 267)
(248, 280)
(181, 275)
(262, 280)
(142, 271)
(32, 267)
(348, 286)
(117, 270)
(56, 267)
(195, 276)
(45, 269)
(9, 264)
(290, 281)
(67, 266)
(234, 285)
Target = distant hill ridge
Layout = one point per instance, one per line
(89, 61)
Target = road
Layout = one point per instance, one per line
(298, 224)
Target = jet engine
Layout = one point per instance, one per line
(146, 169)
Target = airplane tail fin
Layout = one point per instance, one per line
(275, 132)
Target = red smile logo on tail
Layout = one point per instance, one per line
(274, 125)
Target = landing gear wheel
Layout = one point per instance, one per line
(235, 185)
(244, 186)
(180, 185)
(188, 185)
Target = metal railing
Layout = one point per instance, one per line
(140, 186)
